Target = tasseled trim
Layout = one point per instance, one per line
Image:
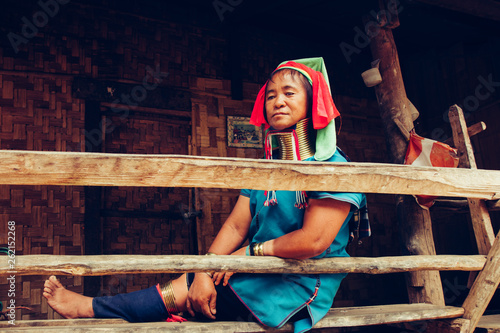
(301, 199)
(271, 199)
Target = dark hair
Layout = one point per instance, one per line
(302, 79)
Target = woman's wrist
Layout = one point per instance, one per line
(256, 249)
(210, 274)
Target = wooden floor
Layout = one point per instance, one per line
(336, 318)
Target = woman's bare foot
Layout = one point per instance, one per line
(65, 302)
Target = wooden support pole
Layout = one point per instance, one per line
(414, 222)
(480, 216)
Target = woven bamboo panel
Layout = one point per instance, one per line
(211, 105)
(216, 206)
(38, 113)
(152, 229)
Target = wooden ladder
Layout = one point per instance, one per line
(486, 283)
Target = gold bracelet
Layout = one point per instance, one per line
(258, 249)
(167, 293)
(261, 249)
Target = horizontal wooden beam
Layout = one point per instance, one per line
(471, 130)
(119, 93)
(336, 317)
(150, 264)
(463, 204)
(99, 169)
(489, 9)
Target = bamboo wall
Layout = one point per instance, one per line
(136, 219)
(38, 111)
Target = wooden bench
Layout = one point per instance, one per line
(336, 318)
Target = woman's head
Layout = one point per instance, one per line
(288, 99)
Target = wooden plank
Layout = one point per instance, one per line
(480, 216)
(336, 317)
(457, 325)
(99, 169)
(471, 130)
(135, 264)
(490, 322)
(484, 286)
(461, 204)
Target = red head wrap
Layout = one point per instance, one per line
(323, 108)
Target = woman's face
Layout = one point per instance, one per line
(286, 101)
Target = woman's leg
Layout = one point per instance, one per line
(65, 302)
(153, 304)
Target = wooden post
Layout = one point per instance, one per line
(480, 217)
(414, 222)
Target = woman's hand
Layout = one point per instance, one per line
(202, 296)
(222, 276)
(225, 276)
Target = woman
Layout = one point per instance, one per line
(297, 109)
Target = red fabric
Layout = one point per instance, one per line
(427, 152)
(323, 108)
(175, 319)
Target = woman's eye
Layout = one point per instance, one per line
(270, 97)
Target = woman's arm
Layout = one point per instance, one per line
(234, 231)
(202, 294)
(323, 219)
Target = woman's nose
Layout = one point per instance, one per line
(279, 101)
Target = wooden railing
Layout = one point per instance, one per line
(99, 169)
(94, 169)
(98, 265)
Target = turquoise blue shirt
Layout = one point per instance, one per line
(275, 298)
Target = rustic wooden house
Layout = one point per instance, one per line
(165, 77)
